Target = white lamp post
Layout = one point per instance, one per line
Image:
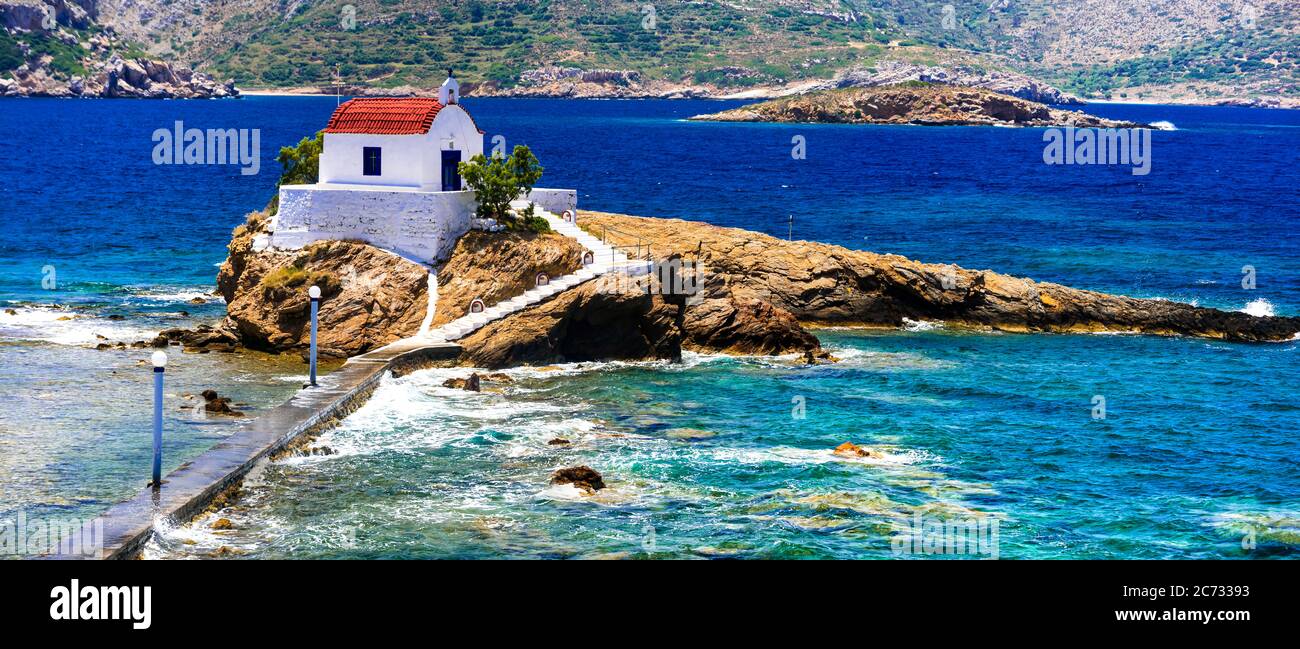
(159, 359)
(314, 294)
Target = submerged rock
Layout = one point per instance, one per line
(689, 433)
(583, 477)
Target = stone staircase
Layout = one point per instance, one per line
(606, 259)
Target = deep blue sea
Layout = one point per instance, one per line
(1196, 453)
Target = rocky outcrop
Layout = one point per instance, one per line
(755, 295)
(638, 319)
(115, 79)
(492, 267)
(822, 284)
(107, 73)
(912, 103)
(888, 73)
(581, 324)
(369, 297)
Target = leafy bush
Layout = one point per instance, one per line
(10, 56)
(496, 181)
(301, 165)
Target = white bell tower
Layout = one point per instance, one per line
(449, 93)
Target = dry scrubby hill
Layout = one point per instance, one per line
(1206, 49)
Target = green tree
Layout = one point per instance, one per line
(496, 181)
(301, 165)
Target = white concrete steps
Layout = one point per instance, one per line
(607, 259)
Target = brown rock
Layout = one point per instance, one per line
(582, 477)
(580, 324)
(218, 405)
(849, 449)
(559, 441)
(745, 326)
(223, 524)
(497, 266)
(471, 383)
(370, 297)
(825, 284)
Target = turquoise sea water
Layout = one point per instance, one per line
(707, 458)
(1195, 453)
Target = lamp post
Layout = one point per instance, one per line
(159, 363)
(314, 294)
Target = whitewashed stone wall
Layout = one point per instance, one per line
(555, 201)
(423, 226)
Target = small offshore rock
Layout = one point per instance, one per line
(223, 524)
(582, 477)
(849, 449)
(473, 383)
(559, 441)
(218, 405)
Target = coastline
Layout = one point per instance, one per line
(754, 94)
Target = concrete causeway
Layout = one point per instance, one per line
(195, 485)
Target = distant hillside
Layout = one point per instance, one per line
(1160, 49)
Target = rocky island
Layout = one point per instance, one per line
(914, 102)
(757, 295)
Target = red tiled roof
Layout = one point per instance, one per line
(385, 115)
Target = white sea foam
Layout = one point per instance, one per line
(172, 295)
(1259, 308)
(66, 327)
(792, 455)
(921, 325)
(1163, 125)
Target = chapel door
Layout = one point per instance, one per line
(451, 171)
